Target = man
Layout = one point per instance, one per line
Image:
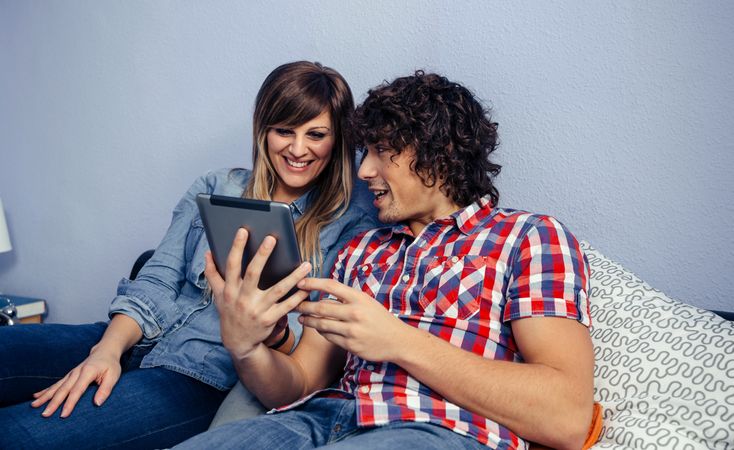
(449, 329)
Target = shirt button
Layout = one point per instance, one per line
(364, 268)
(406, 278)
(364, 389)
(370, 367)
(454, 259)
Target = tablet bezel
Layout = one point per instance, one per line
(222, 216)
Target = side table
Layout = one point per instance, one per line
(29, 310)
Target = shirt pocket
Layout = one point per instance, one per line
(368, 278)
(452, 286)
(194, 250)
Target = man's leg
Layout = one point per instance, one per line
(35, 356)
(404, 436)
(148, 408)
(314, 424)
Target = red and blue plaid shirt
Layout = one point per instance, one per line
(463, 279)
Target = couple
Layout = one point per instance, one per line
(444, 329)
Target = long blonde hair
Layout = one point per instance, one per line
(291, 95)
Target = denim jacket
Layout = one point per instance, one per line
(167, 297)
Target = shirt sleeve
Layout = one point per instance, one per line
(150, 298)
(549, 275)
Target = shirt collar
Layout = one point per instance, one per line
(301, 204)
(466, 219)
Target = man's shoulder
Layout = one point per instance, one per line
(508, 218)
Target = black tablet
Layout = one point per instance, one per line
(223, 216)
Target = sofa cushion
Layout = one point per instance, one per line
(664, 370)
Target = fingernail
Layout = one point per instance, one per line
(269, 242)
(240, 233)
(45, 413)
(306, 266)
(301, 283)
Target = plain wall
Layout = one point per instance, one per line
(615, 117)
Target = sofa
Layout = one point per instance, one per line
(664, 371)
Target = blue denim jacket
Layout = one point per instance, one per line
(167, 298)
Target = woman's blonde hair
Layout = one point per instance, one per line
(290, 96)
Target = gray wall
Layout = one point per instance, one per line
(614, 117)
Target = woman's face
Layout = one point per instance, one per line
(299, 155)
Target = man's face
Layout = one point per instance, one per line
(400, 195)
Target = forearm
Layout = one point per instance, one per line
(275, 378)
(121, 334)
(536, 401)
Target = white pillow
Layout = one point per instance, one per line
(664, 370)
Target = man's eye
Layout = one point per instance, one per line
(283, 131)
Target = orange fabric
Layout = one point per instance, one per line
(595, 428)
(591, 437)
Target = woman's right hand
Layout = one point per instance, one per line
(247, 314)
(101, 367)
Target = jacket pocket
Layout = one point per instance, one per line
(452, 286)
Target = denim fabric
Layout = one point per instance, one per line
(329, 423)
(167, 300)
(148, 408)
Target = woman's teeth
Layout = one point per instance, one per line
(296, 164)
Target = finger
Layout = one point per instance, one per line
(324, 325)
(336, 339)
(282, 287)
(76, 391)
(45, 395)
(255, 267)
(105, 388)
(344, 293)
(287, 305)
(215, 280)
(325, 308)
(60, 394)
(234, 258)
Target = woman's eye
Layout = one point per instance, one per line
(283, 131)
(317, 135)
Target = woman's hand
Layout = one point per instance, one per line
(248, 315)
(101, 367)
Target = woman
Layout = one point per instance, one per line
(159, 364)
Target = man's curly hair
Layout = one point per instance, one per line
(451, 132)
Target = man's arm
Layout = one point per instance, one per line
(547, 399)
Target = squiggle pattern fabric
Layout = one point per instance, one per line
(664, 369)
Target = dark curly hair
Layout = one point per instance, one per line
(451, 132)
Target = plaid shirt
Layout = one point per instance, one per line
(463, 279)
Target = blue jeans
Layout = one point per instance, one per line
(330, 423)
(148, 408)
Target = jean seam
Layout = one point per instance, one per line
(156, 431)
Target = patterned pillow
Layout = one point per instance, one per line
(664, 370)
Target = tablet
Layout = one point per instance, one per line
(223, 216)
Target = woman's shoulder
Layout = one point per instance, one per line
(227, 181)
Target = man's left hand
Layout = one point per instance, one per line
(354, 321)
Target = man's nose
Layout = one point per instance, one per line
(367, 169)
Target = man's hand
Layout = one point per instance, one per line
(100, 367)
(355, 322)
(248, 315)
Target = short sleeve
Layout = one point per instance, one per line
(549, 274)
